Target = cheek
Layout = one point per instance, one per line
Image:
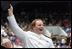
(43, 28)
(37, 28)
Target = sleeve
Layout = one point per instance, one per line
(51, 44)
(16, 29)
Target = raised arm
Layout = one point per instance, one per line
(14, 26)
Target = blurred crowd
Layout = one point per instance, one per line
(64, 42)
(49, 19)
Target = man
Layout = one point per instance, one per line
(1, 42)
(30, 39)
(5, 43)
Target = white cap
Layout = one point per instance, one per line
(3, 33)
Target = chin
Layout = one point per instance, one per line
(40, 32)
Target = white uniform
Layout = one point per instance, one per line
(30, 39)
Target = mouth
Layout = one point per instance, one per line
(41, 29)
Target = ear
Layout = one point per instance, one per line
(33, 27)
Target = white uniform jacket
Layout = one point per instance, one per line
(30, 39)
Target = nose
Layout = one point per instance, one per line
(41, 26)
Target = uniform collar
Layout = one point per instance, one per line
(35, 34)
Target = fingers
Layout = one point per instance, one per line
(11, 8)
(10, 5)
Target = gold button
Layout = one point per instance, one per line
(38, 43)
(40, 38)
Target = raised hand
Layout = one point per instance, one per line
(10, 10)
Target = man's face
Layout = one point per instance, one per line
(38, 27)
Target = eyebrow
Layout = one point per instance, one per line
(41, 24)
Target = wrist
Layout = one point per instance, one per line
(10, 13)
